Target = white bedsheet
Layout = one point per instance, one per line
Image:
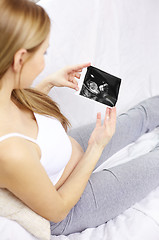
(122, 38)
(141, 221)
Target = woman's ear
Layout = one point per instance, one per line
(19, 59)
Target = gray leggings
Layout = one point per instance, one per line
(110, 192)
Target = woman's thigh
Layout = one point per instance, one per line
(140, 119)
(110, 192)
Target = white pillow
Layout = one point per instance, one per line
(13, 208)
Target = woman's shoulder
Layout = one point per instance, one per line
(13, 141)
(14, 154)
(8, 144)
(15, 149)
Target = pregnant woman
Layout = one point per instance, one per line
(42, 163)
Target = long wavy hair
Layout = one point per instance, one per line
(23, 24)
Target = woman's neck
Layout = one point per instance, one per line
(6, 88)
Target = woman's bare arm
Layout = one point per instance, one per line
(23, 174)
(65, 77)
(44, 86)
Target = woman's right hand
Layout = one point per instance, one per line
(102, 133)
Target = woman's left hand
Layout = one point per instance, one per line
(65, 77)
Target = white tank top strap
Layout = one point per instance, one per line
(9, 135)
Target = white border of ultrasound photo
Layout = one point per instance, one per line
(80, 81)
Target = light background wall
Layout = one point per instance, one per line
(119, 36)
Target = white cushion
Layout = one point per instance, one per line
(14, 209)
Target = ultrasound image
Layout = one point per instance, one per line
(99, 86)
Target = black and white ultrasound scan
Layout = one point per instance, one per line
(100, 86)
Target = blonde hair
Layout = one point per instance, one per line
(23, 24)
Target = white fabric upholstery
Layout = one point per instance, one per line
(14, 209)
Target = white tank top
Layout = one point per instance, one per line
(55, 145)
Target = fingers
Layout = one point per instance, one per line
(79, 67)
(73, 80)
(113, 115)
(107, 116)
(110, 116)
(107, 113)
(98, 121)
(77, 75)
(72, 85)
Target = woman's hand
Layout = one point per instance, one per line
(102, 134)
(65, 77)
